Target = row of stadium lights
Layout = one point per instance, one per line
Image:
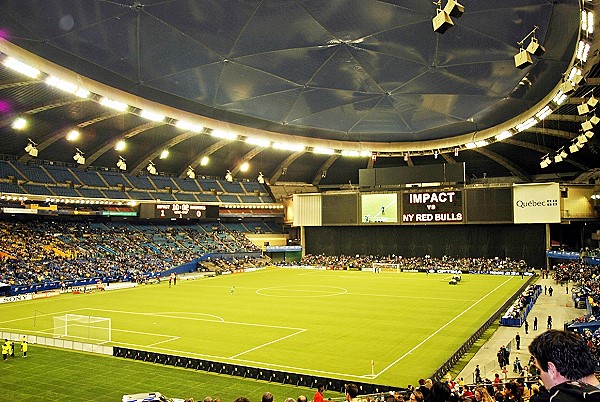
(568, 86)
(246, 206)
(82, 201)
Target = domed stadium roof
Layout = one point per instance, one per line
(334, 78)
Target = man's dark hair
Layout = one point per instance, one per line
(439, 392)
(320, 386)
(242, 399)
(567, 350)
(352, 390)
(267, 397)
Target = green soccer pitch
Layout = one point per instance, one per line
(325, 323)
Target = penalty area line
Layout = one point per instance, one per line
(267, 344)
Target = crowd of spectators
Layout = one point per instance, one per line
(480, 265)
(44, 251)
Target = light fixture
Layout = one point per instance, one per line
(558, 158)
(544, 163)
(186, 125)
(120, 145)
(21, 67)
(31, 148)
(260, 178)
(190, 173)
(504, 135)
(324, 174)
(524, 58)
(456, 152)
(19, 123)
(164, 154)
(592, 102)
(244, 167)
(72, 135)
(151, 168)
(204, 161)
(78, 157)
(406, 157)
(228, 176)
(323, 151)
(257, 141)
(152, 116)
(481, 143)
(589, 134)
(454, 9)
(583, 109)
(574, 147)
(442, 21)
(121, 163)
(224, 134)
(582, 139)
(435, 154)
(113, 104)
(65, 86)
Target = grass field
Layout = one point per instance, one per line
(327, 323)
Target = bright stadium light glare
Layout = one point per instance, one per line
(120, 145)
(21, 67)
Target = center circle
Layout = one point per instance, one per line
(302, 291)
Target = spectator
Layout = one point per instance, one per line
(566, 365)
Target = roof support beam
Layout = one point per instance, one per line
(282, 168)
(512, 167)
(322, 172)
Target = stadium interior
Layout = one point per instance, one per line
(147, 140)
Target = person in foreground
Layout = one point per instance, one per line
(567, 367)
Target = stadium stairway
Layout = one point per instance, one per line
(560, 306)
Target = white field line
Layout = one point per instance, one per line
(221, 320)
(266, 344)
(172, 338)
(42, 315)
(441, 328)
(413, 297)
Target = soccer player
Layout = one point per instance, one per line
(232, 290)
(24, 346)
(5, 350)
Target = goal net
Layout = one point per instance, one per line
(83, 328)
(385, 267)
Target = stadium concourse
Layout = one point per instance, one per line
(559, 306)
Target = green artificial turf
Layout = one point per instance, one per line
(50, 374)
(325, 323)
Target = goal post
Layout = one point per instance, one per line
(385, 267)
(83, 327)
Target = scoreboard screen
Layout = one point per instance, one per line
(432, 207)
(176, 210)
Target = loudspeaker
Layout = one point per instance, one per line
(454, 9)
(441, 22)
(523, 59)
(535, 48)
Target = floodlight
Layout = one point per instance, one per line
(164, 154)
(204, 161)
(592, 102)
(574, 147)
(72, 135)
(558, 158)
(589, 134)
(595, 120)
(566, 87)
(78, 157)
(587, 125)
(190, 173)
(151, 168)
(583, 109)
(31, 148)
(544, 163)
(19, 123)
(244, 167)
(121, 163)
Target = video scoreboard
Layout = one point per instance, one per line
(177, 210)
